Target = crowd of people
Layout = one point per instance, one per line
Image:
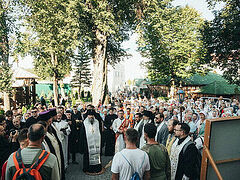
(148, 138)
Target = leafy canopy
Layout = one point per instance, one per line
(170, 37)
(222, 40)
(51, 35)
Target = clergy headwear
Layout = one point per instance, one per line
(147, 113)
(68, 111)
(44, 116)
(53, 112)
(90, 112)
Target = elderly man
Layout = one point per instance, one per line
(92, 144)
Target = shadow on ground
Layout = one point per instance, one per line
(74, 171)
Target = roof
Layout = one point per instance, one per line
(199, 80)
(138, 82)
(220, 88)
(20, 73)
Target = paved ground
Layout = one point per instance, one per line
(74, 172)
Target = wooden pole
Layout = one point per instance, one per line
(212, 162)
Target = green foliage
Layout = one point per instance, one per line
(5, 77)
(222, 37)
(4, 32)
(52, 33)
(170, 37)
(82, 72)
(114, 19)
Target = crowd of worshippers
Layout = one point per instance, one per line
(144, 136)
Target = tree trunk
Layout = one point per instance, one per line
(55, 78)
(79, 92)
(99, 68)
(62, 89)
(55, 90)
(6, 100)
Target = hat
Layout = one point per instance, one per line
(90, 112)
(53, 112)
(44, 116)
(68, 111)
(147, 113)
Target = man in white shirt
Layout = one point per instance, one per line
(130, 160)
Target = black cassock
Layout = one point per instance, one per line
(86, 166)
(109, 135)
(75, 137)
(52, 150)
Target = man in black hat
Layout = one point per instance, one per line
(92, 144)
(147, 118)
(109, 133)
(51, 138)
(75, 136)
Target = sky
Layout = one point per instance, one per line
(133, 68)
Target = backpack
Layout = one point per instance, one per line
(32, 173)
(198, 159)
(135, 175)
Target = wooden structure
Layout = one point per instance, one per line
(24, 85)
(212, 84)
(221, 152)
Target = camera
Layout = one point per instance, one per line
(13, 131)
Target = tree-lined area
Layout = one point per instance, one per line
(66, 35)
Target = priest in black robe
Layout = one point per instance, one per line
(48, 117)
(92, 144)
(109, 133)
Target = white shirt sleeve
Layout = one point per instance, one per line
(115, 164)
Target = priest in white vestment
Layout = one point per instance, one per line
(92, 145)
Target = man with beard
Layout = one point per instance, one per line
(9, 123)
(76, 115)
(171, 137)
(60, 109)
(53, 143)
(184, 155)
(162, 130)
(75, 136)
(138, 120)
(109, 133)
(64, 130)
(147, 115)
(119, 126)
(92, 144)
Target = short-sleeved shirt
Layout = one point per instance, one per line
(49, 169)
(138, 159)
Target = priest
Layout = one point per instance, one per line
(120, 126)
(92, 144)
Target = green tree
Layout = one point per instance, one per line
(82, 72)
(5, 69)
(170, 38)
(105, 24)
(53, 27)
(222, 40)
